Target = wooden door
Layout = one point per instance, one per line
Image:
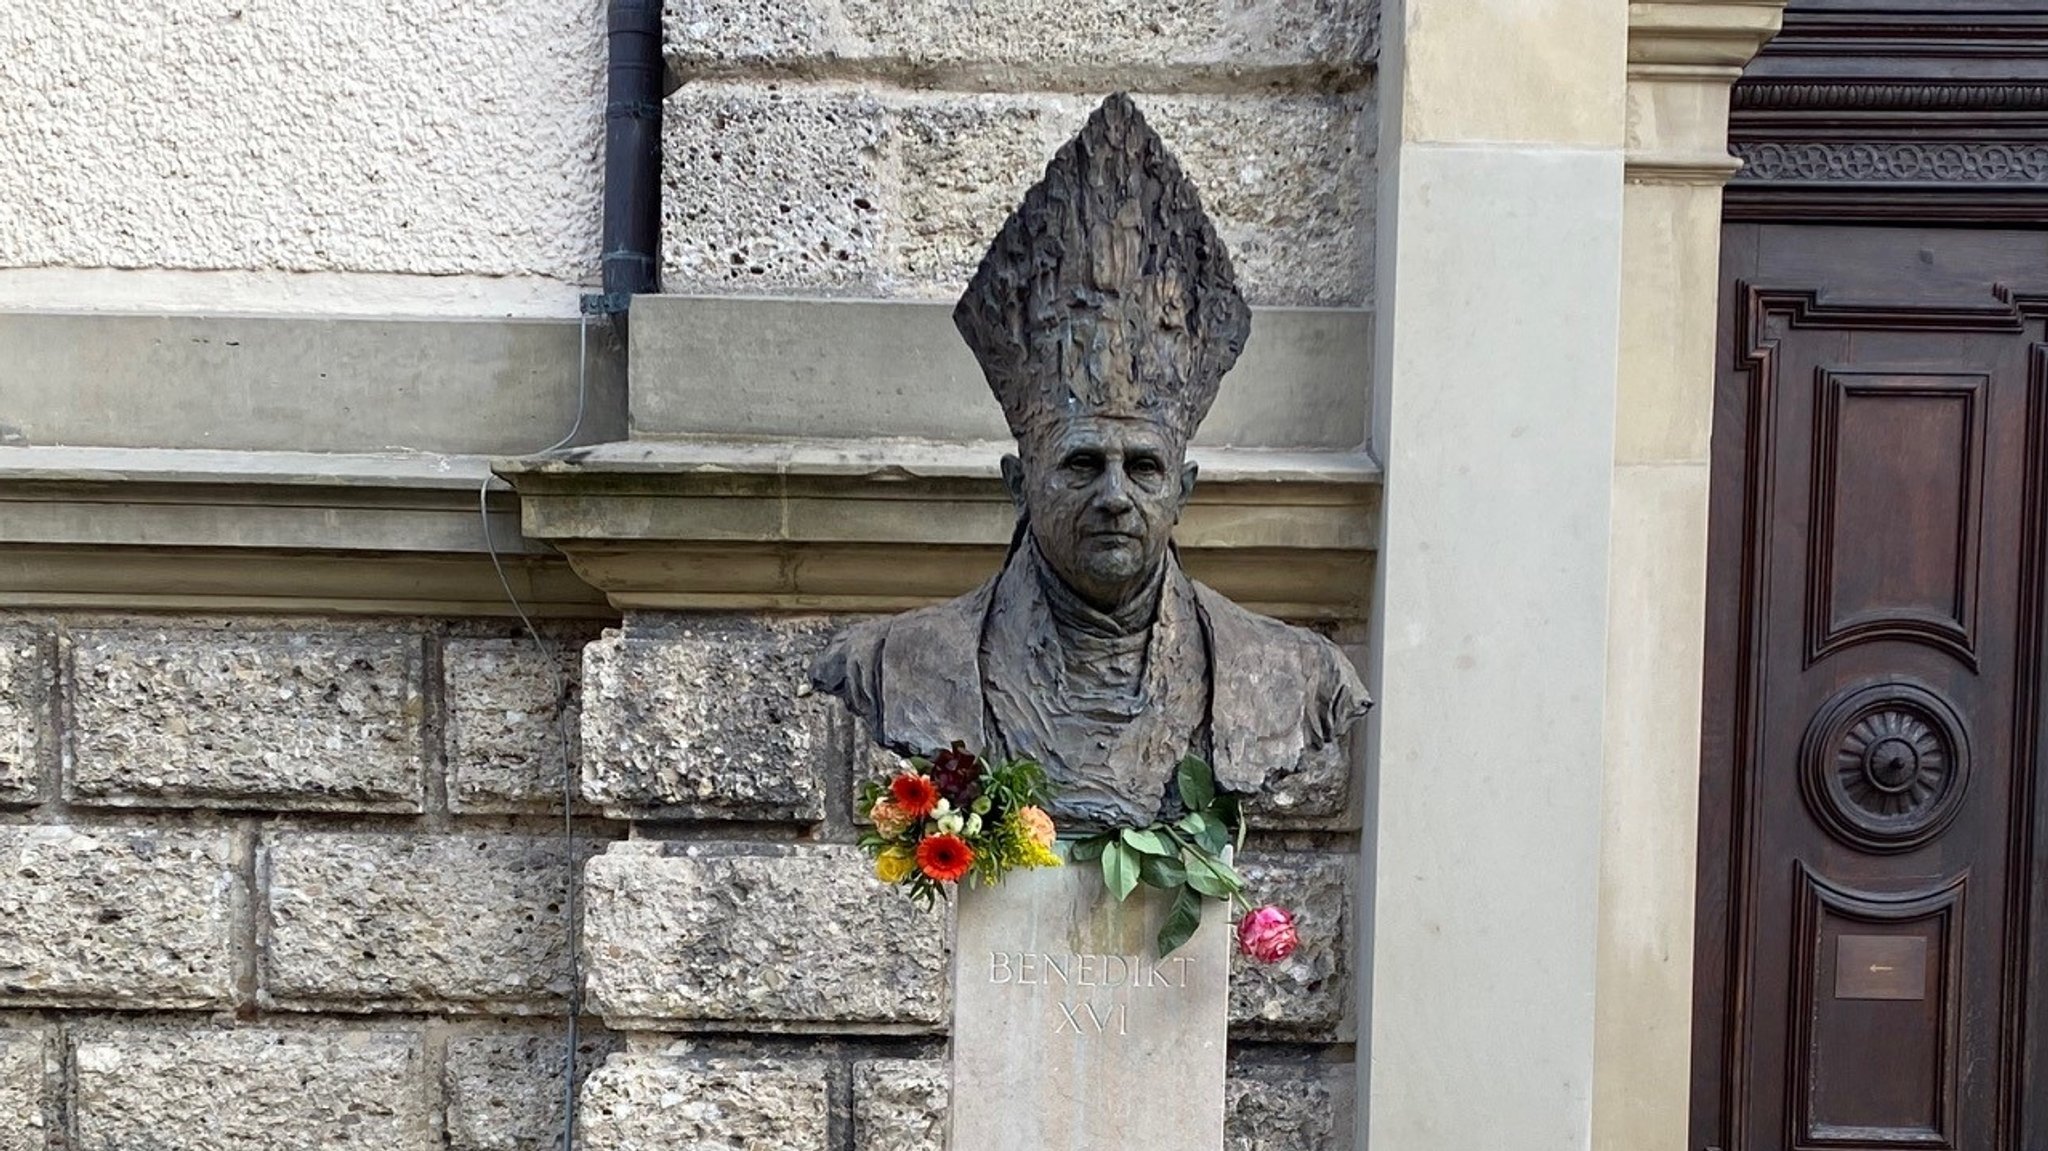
(1875, 700)
(1871, 967)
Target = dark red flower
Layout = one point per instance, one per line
(945, 858)
(915, 794)
(958, 774)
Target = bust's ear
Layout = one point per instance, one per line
(1013, 479)
(1187, 487)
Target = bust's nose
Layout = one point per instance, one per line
(1113, 497)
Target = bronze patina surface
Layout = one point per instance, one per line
(1104, 317)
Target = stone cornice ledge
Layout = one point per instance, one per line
(882, 525)
(1683, 56)
(1699, 38)
(205, 530)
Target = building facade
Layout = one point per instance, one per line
(403, 732)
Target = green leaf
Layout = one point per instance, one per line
(1207, 882)
(1120, 869)
(1214, 836)
(1213, 877)
(1162, 872)
(1197, 784)
(1148, 842)
(1088, 850)
(1181, 921)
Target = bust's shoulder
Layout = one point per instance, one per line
(926, 649)
(1288, 691)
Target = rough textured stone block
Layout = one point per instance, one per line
(25, 1098)
(1290, 1107)
(899, 1105)
(705, 722)
(283, 721)
(769, 189)
(117, 918)
(250, 1090)
(662, 1103)
(508, 729)
(503, 1089)
(405, 922)
(1316, 792)
(1033, 43)
(906, 205)
(784, 938)
(24, 702)
(1308, 995)
(1290, 183)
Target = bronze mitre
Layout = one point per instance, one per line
(1104, 317)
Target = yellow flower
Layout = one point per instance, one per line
(895, 864)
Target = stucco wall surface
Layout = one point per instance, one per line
(356, 136)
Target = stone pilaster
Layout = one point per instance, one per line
(1683, 58)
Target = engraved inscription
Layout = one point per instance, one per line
(1083, 1016)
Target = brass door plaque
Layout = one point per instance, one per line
(1881, 967)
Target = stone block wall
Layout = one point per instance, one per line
(872, 147)
(310, 876)
(773, 995)
(272, 883)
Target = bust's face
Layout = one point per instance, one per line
(1103, 496)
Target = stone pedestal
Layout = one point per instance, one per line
(1070, 1033)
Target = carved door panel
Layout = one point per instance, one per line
(1870, 805)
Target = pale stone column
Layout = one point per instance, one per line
(1500, 316)
(1683, 57)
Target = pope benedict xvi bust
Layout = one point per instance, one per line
(1104, 317)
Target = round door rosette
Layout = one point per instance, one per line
(1885, 765)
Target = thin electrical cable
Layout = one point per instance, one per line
(551, 656)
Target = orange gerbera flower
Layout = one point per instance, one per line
(914, 794)
(944, 858)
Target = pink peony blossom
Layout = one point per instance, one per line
(1267, 934)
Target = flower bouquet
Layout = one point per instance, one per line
(1186, 858)
(953, 817)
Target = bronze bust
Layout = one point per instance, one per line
(1104, 316)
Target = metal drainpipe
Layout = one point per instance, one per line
(632, 157)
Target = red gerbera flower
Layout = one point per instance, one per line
(915, 794)
(945, 858)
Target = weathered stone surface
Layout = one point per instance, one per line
(705, 722)
(24, 702)
(285, 721)
(779, 938)
(25, 1098)
(507, 726)
(251, 1090)
(1032, 43)
(1290, 1107)
(771, 188)
(503, 1089)
(117, 918)
(1290, 183)
(902, 198)
(1315, 792)
(1308, 995)
(663, 1103)
(899, 1105)
(411, 922)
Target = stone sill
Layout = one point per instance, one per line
(201, 529)
(882, 525)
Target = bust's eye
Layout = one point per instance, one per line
(1145, 466)
(1082, 462)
